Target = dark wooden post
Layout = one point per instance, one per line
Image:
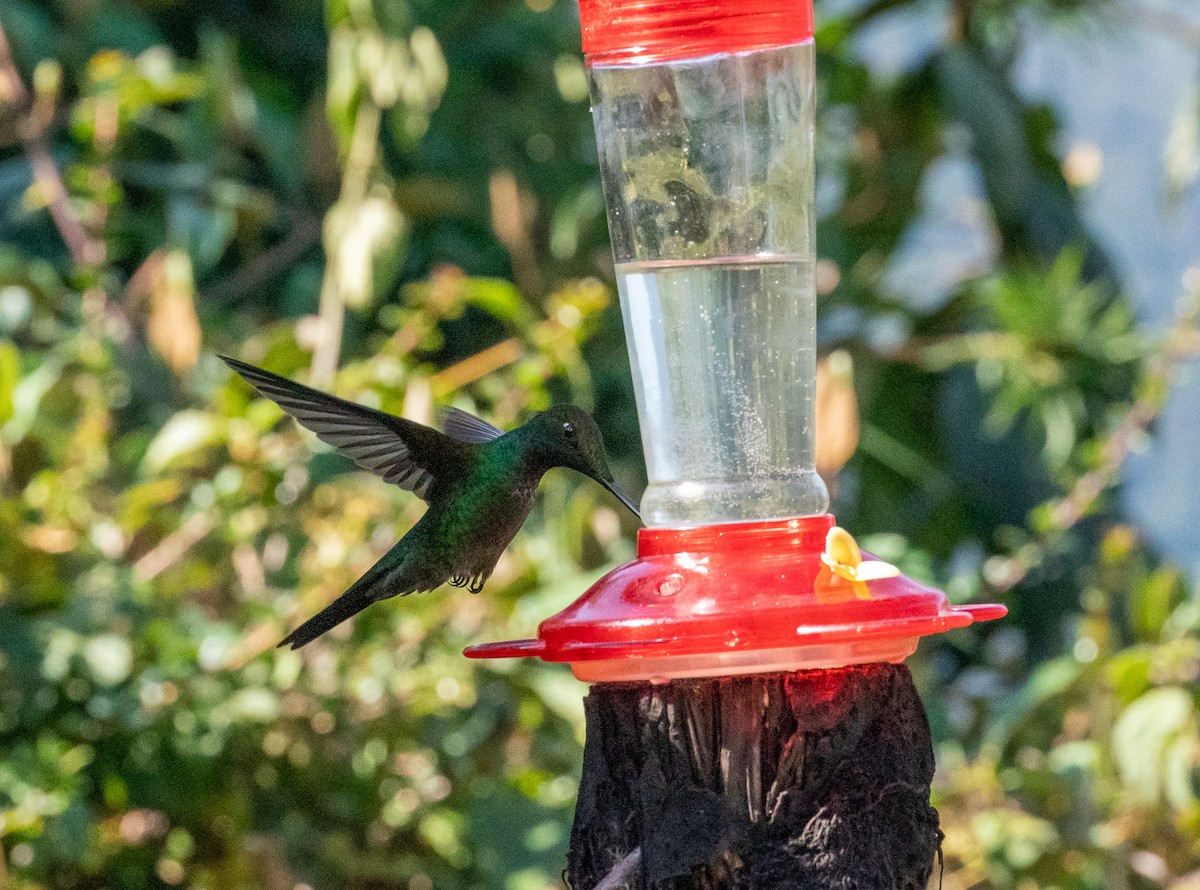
(814, 780)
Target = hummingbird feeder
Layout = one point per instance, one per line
(704, 118)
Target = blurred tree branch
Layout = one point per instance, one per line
(874, 9)
(510, 222)
(1114, 448)
(35, 113)
(1179, 346)
(331, 310)
(305, 232)
(269, 860)
(173, 547)
(475, 367)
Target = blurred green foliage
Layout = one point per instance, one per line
(249, 177)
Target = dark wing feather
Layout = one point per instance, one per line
(405, 453)
(466, 427)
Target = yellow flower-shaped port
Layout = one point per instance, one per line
(843, 558)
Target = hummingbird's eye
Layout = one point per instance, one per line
(569, 431)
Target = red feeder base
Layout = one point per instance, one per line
(742, 598)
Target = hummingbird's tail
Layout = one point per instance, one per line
(380, 582)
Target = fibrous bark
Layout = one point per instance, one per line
(815, 780)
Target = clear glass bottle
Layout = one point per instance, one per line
(704, 120)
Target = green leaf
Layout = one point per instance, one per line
(181, 439)
(203, 231)
(1181, 154)
(1049, 681)
(10, 376)
(496, 296)
(1143, 734)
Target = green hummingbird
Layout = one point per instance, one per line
(478, 480)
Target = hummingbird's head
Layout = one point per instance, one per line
(567, 436)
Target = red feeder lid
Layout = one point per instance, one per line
(741, 598)
(635, 31)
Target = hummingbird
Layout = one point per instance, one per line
(478, 481)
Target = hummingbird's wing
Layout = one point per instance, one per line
(408, 454)
(466, 427)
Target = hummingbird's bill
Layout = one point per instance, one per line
(622, 497)
(473, 476)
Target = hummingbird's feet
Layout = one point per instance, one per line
(473, 583)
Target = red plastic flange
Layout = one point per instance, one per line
(739, 598)
(637, 31)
